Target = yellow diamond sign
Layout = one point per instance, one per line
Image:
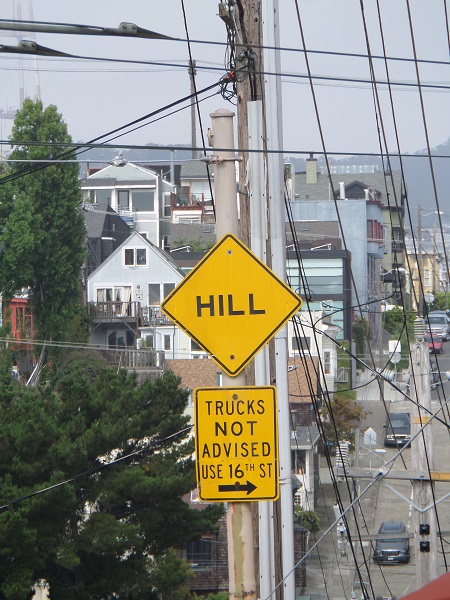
(236, 444)
(231, 304)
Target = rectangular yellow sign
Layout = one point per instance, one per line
(236, 444)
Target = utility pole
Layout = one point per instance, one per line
(245, 19)
(424, 515)
(420, 301)
(241, 558)
(256, 25)
(277, 234)
(247, 24)
(192, 74)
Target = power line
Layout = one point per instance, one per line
(151, 446)
(168, 147)
(110, 31)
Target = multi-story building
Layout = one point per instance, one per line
(139, 195)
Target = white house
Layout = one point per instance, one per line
(311, 336)
(124, 295)
(139, 195)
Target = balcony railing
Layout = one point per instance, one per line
(152, 316)
(114, 310)
(187, 201)
(133, 358)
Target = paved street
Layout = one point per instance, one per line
(332, 574)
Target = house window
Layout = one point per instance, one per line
(167, 205)
(143, 200)
(135, 257)
(167, 288)
(129, 257)
(195, 347)
(199, 554)
(114, 301)
(300, 344)
(141, 257)
(121, 339)
(327, 362)
(103, 197)
(104, 295)
(123, 202)
(154, 298)
(100, 197)
(426, 277)
(167, 342)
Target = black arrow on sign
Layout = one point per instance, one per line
(237, 487)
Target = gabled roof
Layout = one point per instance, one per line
(137, 238)
(195, 169)
(195, 372)
(306, 436)
(112, 175)
(95, 221)
(302, 379)
(203, 373)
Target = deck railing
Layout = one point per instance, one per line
(114, 310)
(131, 358)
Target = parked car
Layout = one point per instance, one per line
(393, 549)
(435, 343)
(398, 429)
(437, 322)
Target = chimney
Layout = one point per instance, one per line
(311, 170)
(341, 190)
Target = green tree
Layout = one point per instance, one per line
(397, 319)
(362, 334)
(42, 226)
(400, 324)
(440, 301)
(341, 414)
(307, 519)
(109, 533)
(197, 245)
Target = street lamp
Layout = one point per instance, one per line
(431, 212)
(396, 269)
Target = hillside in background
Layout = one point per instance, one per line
(418, 176)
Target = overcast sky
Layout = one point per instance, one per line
(95, 97)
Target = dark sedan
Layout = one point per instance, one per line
(394, 547)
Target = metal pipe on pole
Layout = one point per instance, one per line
(275, 168)
(241, 556)
(258, 235)
(423, 460)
